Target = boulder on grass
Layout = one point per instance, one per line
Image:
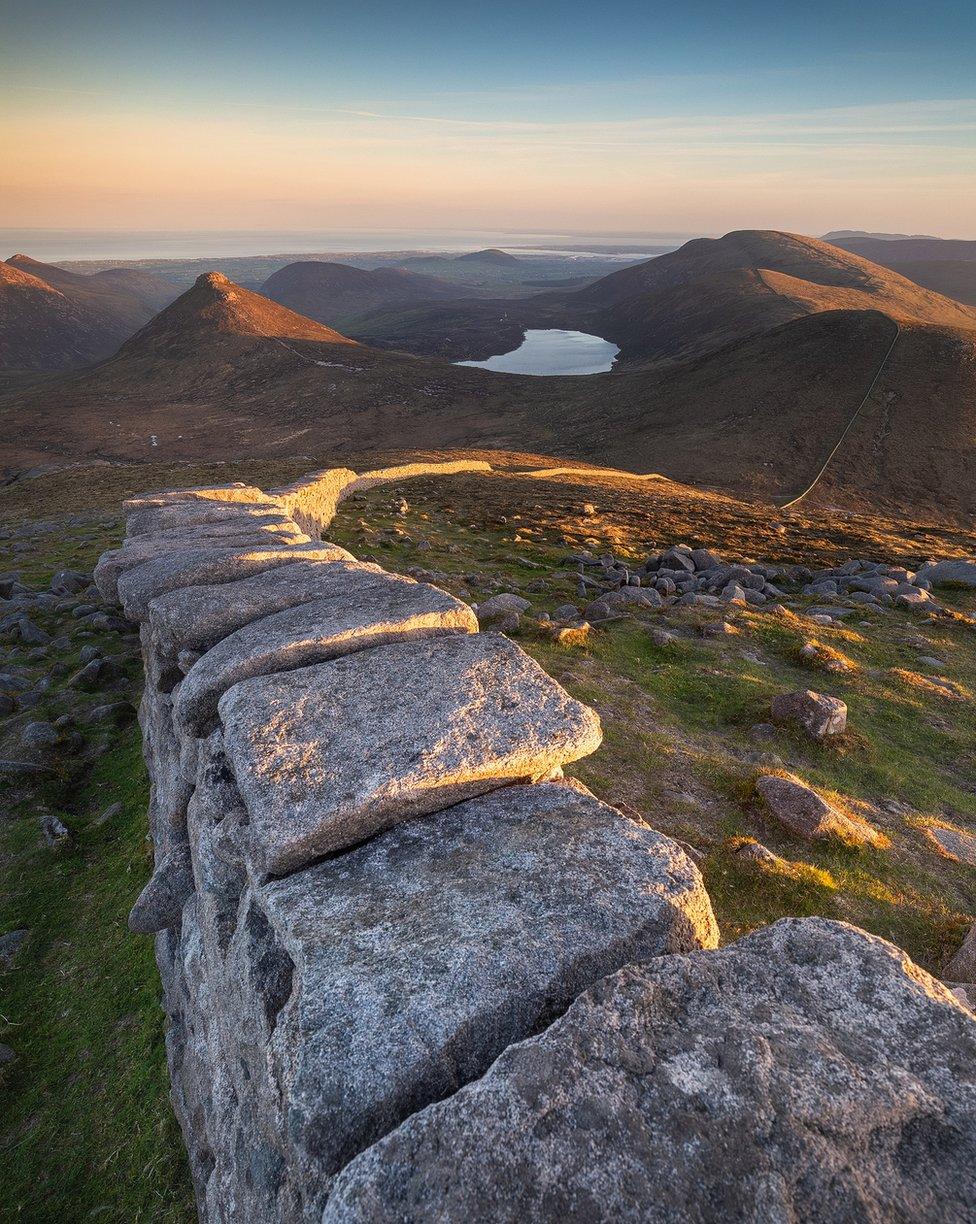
(819, 715)
(801, 810)
(962, 967)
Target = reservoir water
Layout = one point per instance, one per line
(553, 351)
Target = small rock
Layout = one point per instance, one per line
(499, 606)
(704, 559)
(804, 812)
(663, 638)
(720, 628)
(30, 634)
(762, 731)
(10, 945)
(39, 738)
(959, 571)
(55, 832)
(962, 967)
(597, 611)
(118, 713)
(956, 844)
(566, 612)
(6, 1055)
(819, 715)
(92, 675)
(69, 582)
(756, 852)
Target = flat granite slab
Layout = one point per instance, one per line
(275, 525)
(154, 519)
(196, 618)
(237, 491)
(808, 1073)
(329, 755)
(200, 563)
(140, 549)
(419, 956)
(366, 608)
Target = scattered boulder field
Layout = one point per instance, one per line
(697, 577)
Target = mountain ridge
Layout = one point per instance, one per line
(86, 321)
(740, 397)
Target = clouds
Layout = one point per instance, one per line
(698, 141)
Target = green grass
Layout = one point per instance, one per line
(87, 1129)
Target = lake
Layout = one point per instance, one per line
(553, 351)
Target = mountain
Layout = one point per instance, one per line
(947, 265)
(497, 272)
(714, 291)
(750, 356)
(835, 234)
(144, 289)
(225, 372)
(40, 329)
(51, 319)
(491, 255)
(954, 278)
(682, 305)
(216, 309)
(339, 294)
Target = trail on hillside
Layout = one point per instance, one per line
(849, 426)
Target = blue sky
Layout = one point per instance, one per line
(634, 115)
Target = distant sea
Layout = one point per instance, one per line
(57, 245)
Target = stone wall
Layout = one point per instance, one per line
(371, 880)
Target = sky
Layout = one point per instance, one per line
(613, 118)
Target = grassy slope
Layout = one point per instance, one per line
(86, 1130)
(677, 720)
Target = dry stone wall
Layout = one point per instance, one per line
(375, 895)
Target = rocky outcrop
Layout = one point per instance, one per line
(370, 877)
(809, 1072)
